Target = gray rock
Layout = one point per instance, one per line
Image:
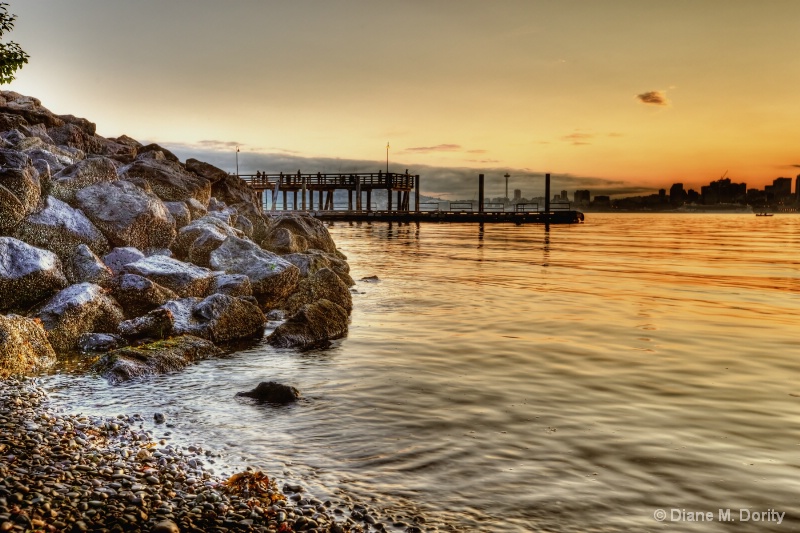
(27, 274)
(322, 284)
(100, 342)
(272, 278)
(185, 279)
(156, 358)
(196, 241)
(78, 309)
(231, 284)
(272, 392)
(24, 347)
(127, 215)
(138, 295)
(313, 325)
(219, 318)
(237, 194)
(196, 209)
(313, 260)
(86, 266)
(169, 180)
(297, 232)
(157, 324)
(121, 256)
(61, 229)
(71, 179)
(180, 213)
(20, 189)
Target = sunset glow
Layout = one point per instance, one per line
(635, 94)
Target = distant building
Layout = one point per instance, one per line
(564, 196)
(581, 197)
(797, 188)
(677, 195)
(780, 191)
(724, 192)
(517, 195)
(602, 200)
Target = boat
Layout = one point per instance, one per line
(764, 214)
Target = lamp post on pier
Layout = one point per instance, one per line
(237, 161)
(387, 157)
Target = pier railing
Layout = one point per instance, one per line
(346, 180)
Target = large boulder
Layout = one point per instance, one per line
(169, 180)
(236, 193)
(75, 177)
(313, 260)
(231, 284)
(85, 266)
(60, 228)
(272, 278)
(27, 274)
(313, 325)
(55, 158)
(219, 318)
(78, 309)
(155, 358)
(127, 215)
(180, 213)
(198, 239)
(297, 232)
(121, 256)
(29, 108)
(20, 189)
(157, 324)
(323, 284)
(272, 392)
(138, 295)
(24, 347)
(205, 170)
(185, 279)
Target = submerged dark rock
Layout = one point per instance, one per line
(313, 325)
(272, 392)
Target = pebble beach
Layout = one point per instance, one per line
(70, 472)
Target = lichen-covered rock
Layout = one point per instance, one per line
(157, 324)
(27, 274)
(85, 266)
(272, 278)
(313, 325)
(169, 180)
(24, 347)
(78, 309)
(20, 189)
(314, 260)
(180, 213)
(121, 256)
(185, 279)
(29, 108)
(55, 158)
(158, 357)
(60, 228)
(100, 342)
(205, 170)
(219, 317)
(196, 209)
(297, 232)
(239, 195)
(138, 295)
(231, 284)
(127, 215)
(196, 241)
(87, 172)
(219, 209)
(323, 284)
(272, 392)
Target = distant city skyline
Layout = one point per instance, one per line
(618, 96)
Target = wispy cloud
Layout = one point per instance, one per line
(219, 145)
(483, 161)
(453, 183)
(437, 148)
(653, 98)
(578, 138)
(476, 151)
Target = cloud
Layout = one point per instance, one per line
(578, 138)
(476, 151)
(483, 160)
(653, 98)
(452, 183)
(219, 145)
(437, 148)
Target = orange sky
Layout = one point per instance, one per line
(636, 93)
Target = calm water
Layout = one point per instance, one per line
(518, 379)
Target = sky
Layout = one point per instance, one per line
(620, 97)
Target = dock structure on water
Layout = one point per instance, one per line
(298, 191)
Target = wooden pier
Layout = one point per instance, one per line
(298, 190)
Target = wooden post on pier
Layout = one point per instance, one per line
(547, 194)
(321, 208)
(358, 193)
(304, 193)
(416, 192)
(369, 199)
(480, 193)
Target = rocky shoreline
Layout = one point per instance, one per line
(68, 472)
(137, 263)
